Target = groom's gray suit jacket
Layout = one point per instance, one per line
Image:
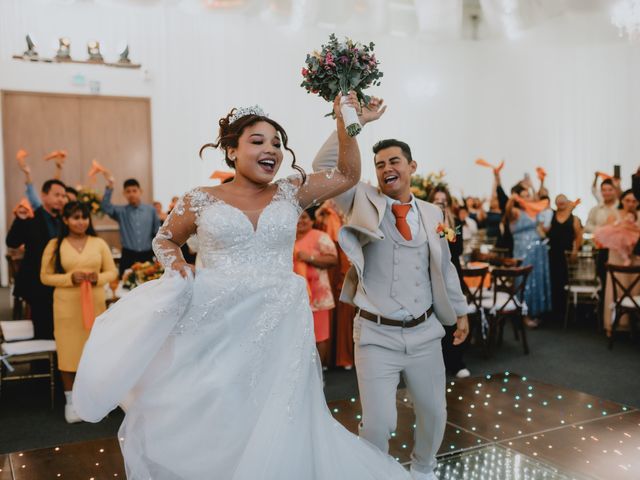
(365, 207)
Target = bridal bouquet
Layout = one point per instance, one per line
(340, 67)
(141, 272)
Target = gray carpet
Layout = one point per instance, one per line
(577, 358)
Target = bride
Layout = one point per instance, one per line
(217, 369)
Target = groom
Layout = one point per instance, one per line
(405, 288)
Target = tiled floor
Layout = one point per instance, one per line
(499, 427)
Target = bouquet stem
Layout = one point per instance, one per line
(351, 122)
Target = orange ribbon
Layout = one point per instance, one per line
(604, 176)
(542, 173)
(24, 203)
(496, 168)
(222, 176)
(86, 299)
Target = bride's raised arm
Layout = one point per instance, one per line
(176, 230)
(326, 184)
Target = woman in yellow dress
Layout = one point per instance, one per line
(78, 264)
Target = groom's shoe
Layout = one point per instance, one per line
(415, 475)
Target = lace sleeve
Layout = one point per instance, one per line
(177, 228)
(327, 183)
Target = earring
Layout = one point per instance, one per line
(233, 159)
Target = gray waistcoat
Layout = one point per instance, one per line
(396, 272)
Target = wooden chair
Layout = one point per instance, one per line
(624, 280)
(507, 303)
(17, 347)
(583, 286)
(473, 286)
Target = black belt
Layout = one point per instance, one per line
(396, 323)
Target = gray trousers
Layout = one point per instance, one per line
(382, 354)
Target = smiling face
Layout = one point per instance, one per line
(305, 223)
(258, 155)
(394, 172)
(629, 203)
(77, 223)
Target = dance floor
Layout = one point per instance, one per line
(501, 426)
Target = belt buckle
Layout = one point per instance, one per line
(378, 321)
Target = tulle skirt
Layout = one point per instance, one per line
(219, 379)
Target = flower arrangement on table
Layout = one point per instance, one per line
(421, 187)
(141, 272)
(341, 67)
(92, 198)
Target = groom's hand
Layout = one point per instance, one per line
(372, 111)
(462, 331)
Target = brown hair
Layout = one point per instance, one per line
(230, 132)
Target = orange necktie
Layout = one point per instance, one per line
(400, 211)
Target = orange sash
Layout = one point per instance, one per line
(483, 163)
(86, 299)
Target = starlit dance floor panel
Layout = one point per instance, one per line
(500, 427)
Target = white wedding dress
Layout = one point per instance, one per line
(219, 374)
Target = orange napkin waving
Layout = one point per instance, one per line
(57, 154)
(86, 300)
(542, 173)
(21, 155)
(96, 168)
(532, 208)
(496, 168)
(24, 203)
(604, 176)
(222, 176)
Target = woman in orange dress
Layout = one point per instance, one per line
(314, 254)
(330, 221)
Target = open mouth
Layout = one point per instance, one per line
(391, 179)
(268, 165)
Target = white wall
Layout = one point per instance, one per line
(563, 96)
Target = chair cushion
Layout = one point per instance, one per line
(501, 298)
(16, 330)
(627, 303)
(28, 346)
(582, 288)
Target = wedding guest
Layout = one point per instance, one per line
(616, 182)
(468, 224)
(453, 354)
(34, 233)
(314, 253)
(599, 215)
(565, 235)
(493, 219)
(620, 233)
(78, 264)
(162, 215)
(527, 245)
(476, 212)
(30, 191)
(138, 222)
(329, 219)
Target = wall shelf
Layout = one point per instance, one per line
(85, 62)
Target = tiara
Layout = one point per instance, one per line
(244, 111)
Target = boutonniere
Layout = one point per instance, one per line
(449, 233)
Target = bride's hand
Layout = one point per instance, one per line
(351, 100)
(182, 267)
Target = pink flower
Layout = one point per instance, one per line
(304, 72)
